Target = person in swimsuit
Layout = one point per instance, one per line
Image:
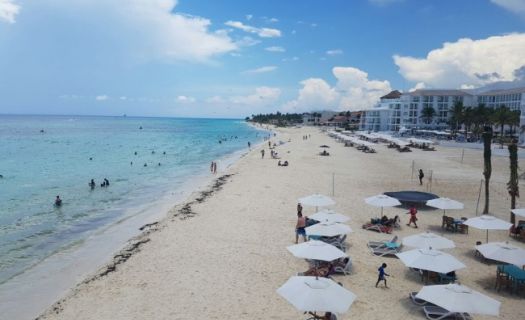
(58, 201)
(299, 227)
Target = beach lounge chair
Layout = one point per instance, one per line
(445, 279)
(438, 313)
(376, 244)
(377, 227)
(338, 242)
(347, 269)
(419, 302)
(385, 251)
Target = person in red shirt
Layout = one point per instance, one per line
(413, 218)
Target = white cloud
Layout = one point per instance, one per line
(150, 29)
(102, 97)
(275, 49)
(261, 32)
(273, 20)
(334, 52)
(249, 17)
(290, 59)
(313, 25)
(8, 11)
(419, 85)
(247, 42)
(185, 99)
(467, 62)
(515, 6)
(352, 91)
(263, 96)
(294, 31)
(123, 98)
(264, 69)
(215, 100)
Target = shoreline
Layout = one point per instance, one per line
(88, 259)
(230, 256)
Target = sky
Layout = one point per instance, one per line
(235, 58)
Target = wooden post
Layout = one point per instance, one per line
(462, 155)
(479, 196)
(430, 182)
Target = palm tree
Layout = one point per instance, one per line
(468, 120)
(457, 115)
(502, 116)
(481, 116)
(427, 113)
(514, 120)
(513, 184)
(487, 165)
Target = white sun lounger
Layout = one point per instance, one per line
(419, 302)
(346, 270)
(438, 313)
(375, 244)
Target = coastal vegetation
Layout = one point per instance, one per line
(279, 119)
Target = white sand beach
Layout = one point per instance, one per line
(228, 258)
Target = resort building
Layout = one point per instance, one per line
(398, 110)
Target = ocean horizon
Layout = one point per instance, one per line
(144, 159)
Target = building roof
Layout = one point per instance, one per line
(504, 91)
(439, 92)
(395, 94)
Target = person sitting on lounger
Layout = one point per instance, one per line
(323, 270)
(327, 316)
(384, 220)
(324, 153)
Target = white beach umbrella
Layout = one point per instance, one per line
(430, 260)
(316, 294)
(382, 200)
(316, 250)
(457, 298)
(486, 222)
(329, 216)
(316, 200)
(504, 252)
(428, 240)
(519, 212)
(445, 204)
(328, 229)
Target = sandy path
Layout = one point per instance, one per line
(228, 260)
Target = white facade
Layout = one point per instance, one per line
(404, 110)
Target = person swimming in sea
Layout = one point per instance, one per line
(145, 164)
(58, 201)
(92, 184)
(106, 181)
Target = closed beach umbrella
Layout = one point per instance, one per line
(316, 250)
(428, 240)
(458, 298)
(382, 200)
(329, 216)
(445, 204)
(504, 252)
(519, 212)
(430, 260)
(316, 294)
(328, 229)
(486, 222)
(316, 200)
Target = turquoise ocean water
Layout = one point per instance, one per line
(37, 166)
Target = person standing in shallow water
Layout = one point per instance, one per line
(58, 201)
(421, 176)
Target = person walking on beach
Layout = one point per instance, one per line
(421, 176)
(299, 208)
(211, 167)
(214, 167)
(299, 227)
(249, 145)
(413, 217)
(382, 274)
(262, 154)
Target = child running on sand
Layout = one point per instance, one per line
(382, 274)
(413, 218)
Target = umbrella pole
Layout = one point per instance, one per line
(381, 212)
(487, 235)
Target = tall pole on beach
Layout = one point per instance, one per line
(413, 165)
(333, 184)
(479, 196)
(462, 155)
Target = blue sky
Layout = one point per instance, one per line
(233, 58)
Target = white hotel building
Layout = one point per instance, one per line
(397, 110)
